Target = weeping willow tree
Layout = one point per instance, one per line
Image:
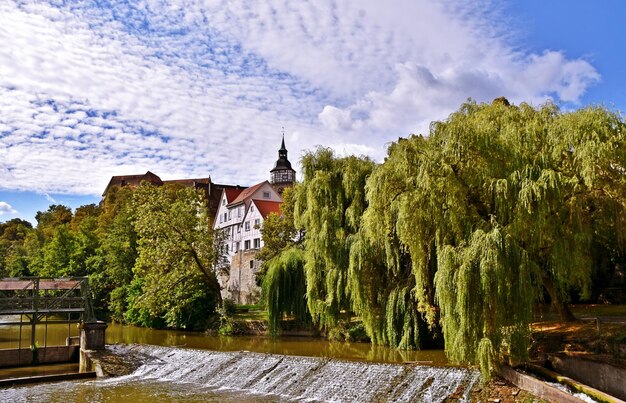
(329, 204)
(499, 203)
(284, 288)
(391, 267)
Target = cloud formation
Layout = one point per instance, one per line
(5, 208)
(190, 89)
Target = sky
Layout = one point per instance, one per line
(92, 89)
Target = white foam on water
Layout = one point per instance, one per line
(303, 378)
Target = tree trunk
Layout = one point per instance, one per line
(562, 308)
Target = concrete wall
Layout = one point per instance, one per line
(536, 387)
(599, 375)
(47, 355)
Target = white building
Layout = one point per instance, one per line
(240, 217)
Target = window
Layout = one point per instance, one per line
(239, 229)
(266, 195)
(257, 223)
(238, 211)
(257, 243)
(225, 248)
(223, 202)
(252, 264)
(246, 245)
(229, 217)
(252, 208)
(224, 216)
(247, 226)
(236, 247)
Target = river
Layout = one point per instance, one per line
(301, 346)
(190, 366)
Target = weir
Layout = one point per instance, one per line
(29, 304)
(301, 378)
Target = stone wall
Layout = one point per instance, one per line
(240, 285)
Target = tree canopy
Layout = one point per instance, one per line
(149, 254)
(329, 204)
(499, 203)
(175, 255)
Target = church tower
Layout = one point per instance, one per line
(282, 175)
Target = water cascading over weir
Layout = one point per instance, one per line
(301, 378)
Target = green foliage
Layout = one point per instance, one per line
(278, 232)
(175, 255)
(136, 313)
(110, 267)
(348, 331)
(227, 308)
(498, 203)
(13, 253)
(56, 215)
(148, 254)
(329, 205)
(284, 288)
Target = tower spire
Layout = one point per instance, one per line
(282, 174)
(282, 145)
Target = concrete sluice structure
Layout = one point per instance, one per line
(290, 378)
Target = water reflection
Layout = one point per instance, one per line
(116, 333)
(288, 345)
(53, 334)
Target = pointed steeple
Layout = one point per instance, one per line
(282, 174)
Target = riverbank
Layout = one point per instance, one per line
(327, 379)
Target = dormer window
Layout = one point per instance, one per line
(266, 195)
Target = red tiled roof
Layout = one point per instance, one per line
(231, 194)
(266, 207)
(247, 193)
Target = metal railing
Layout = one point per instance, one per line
(37, 298)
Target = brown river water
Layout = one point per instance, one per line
(339, 369)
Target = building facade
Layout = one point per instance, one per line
(238, 213)
(240, 217)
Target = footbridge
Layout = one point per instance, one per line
(30, 306)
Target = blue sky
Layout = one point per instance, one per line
(91, 89)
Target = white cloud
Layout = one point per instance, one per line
(5, 208)
(200, 88)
